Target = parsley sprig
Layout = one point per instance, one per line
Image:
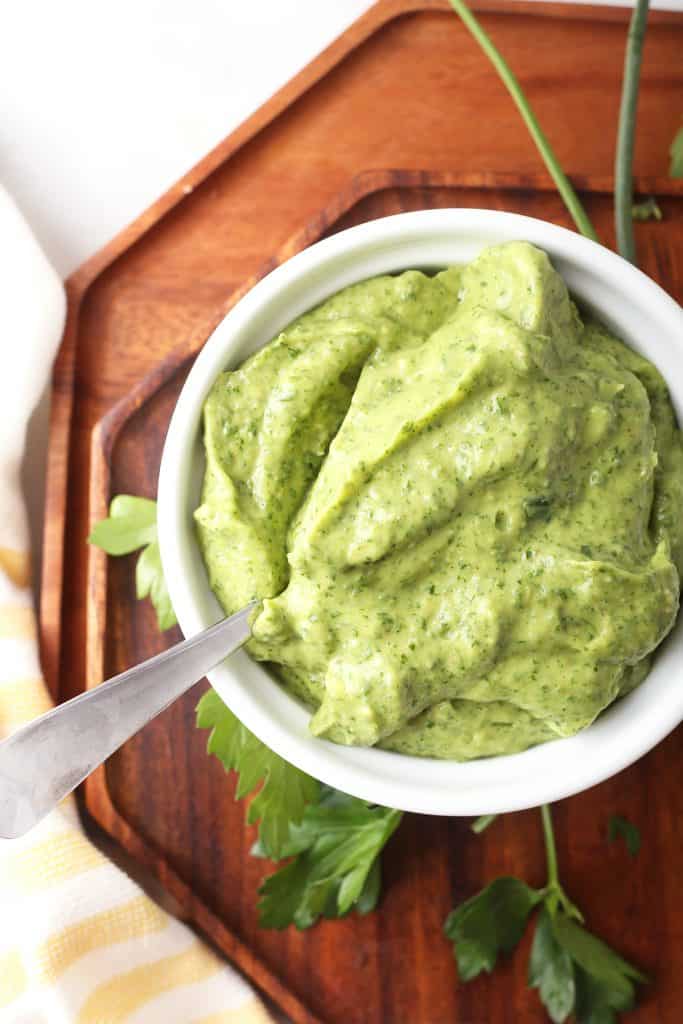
(131, 525)
(334, 840)
(573, 970)
(279, 804)
(335, 863)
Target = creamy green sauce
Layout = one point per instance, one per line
(460, 501)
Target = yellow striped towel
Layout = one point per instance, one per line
(79, 942)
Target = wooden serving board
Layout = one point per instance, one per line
(402, 112)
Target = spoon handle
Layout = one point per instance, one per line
(44, 761)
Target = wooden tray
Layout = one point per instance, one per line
(402, 112)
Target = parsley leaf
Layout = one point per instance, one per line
(150, 582)
(551, 971)
(619, 826)
(676, 154)
(489, 923)
(369, 896)
(647, 210)
(335, 866)
(280, 803)
(597, 1002)
(596, 958)
(132, 524)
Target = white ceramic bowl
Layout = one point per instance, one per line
(629, 302)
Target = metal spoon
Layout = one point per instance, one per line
(45, 760)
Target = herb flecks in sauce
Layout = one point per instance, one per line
(459, 500)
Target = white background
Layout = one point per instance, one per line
(103, 106)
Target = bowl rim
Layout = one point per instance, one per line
(551, 771)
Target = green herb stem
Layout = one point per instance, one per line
(623, 169)
(482, 823)
(550, 848)
(564, 186)
(554, 893)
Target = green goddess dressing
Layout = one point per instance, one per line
(458, 499)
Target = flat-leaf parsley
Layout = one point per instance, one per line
(285, 791)
(336, 849)
(573, 970)
(130, 525)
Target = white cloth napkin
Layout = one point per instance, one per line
(79, 942)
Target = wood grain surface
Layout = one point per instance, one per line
(405, 88)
